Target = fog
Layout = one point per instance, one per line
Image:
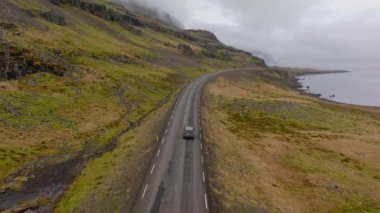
(337, 34)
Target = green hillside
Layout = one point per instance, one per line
(84, 88)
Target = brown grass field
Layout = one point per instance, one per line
(271, 149)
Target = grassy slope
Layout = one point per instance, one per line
(271, 148)
(44, 115)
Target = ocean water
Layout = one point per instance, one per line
(360, 88)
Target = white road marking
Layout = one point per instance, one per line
(186, 110)
(202, 159)
(154, 166)
(203, 175)
(158, 153)
(146, 187)
(169, 123)
(166, 131)
(206, 201)
(163, 140)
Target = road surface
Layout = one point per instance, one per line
(176, 180)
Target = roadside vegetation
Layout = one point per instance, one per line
(78, 79)
(271, 149)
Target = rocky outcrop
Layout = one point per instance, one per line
(204, 34)
(136, 5)
(8, 26)
(53, 17)
(217, 53)
(101, 11)
(16, 63)
(186, 49)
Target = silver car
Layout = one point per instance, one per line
(189, 133)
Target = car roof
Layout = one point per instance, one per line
(189, 128)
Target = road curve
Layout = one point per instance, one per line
(176, 180)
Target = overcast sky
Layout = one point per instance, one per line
(342, 34)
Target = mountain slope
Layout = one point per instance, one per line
(84, 86)
(154, 13)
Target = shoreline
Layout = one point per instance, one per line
(307, 71)
(300, 89)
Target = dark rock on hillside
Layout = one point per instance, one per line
(204, 34)
(133, 29)
(136, 5)
(186, 49)
(132, 20)
(8, 26)
(121, 59)
(53, 17)
(218, 54)
(101, 11)
(16, 63)
(11, 13)
(94, 8)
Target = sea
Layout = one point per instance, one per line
(356, 87)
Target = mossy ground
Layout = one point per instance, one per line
(271, 148)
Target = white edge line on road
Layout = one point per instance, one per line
(202, 159)
(203, 176)
(166, 131)
(163, 140)
(206, 201)
(158, 153)
(146, 186)
(154, 166)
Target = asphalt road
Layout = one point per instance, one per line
(176, 180)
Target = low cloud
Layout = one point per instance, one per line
(341, 34)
